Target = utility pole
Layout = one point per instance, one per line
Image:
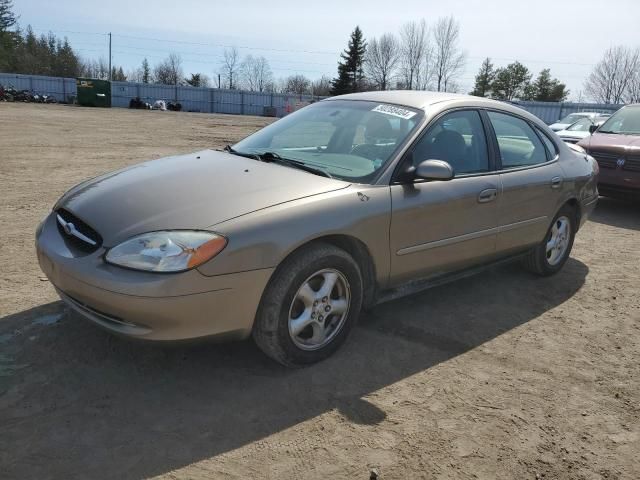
(109, 56)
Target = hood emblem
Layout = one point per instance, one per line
(620, 162)
(70, 229)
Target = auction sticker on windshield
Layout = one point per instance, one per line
(395, 111)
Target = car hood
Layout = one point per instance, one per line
(192, 191)
(556, 127)
(572, 134)
(612, 142)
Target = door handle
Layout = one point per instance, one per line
(487, 195)
(556, 182)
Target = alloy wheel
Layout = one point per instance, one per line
(319, 309)
(558, 241)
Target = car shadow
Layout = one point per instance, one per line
(617, 213)
(76, 402)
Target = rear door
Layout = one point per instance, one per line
(531, 180)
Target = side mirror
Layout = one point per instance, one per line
(434, 170)
(593, 128)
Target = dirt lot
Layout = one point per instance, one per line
(504, 375)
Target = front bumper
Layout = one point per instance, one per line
(619, 182)
(150, 306)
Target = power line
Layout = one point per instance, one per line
(319, 52)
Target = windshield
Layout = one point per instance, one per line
(572, 118)
(625, 121)
(581, 125)
(351, 140)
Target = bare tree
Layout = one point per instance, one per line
(449, 60)
(425, 72)
(98, 69)
(256, 73)
(321, 87)
(169, 71)
(230, 65)
(135, 75)
(298, 84)
(633, 91)
(613, 76)
(381, 60)
(414, 45)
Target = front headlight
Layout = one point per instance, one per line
(167, 251)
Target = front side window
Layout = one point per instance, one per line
(518, 143)
(348, 139)
(458, 138)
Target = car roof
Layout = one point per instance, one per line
(413, 98)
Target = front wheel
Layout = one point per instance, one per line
(552, 253)
(310, 306)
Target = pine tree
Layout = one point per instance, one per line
(350, 70)
(546, 89)
(7, 18)
(67, 63)
(511, 82)
(8, 40)
(146, 71)
(117, 74)
(484, 79)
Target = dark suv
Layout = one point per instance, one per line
(616, 147)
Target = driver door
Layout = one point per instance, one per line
(442, 226)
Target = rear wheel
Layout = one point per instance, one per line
(551, 254)
(310, 306)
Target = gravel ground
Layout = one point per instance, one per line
(499, 376)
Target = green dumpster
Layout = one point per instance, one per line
(93, 93)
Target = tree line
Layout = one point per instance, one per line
(417, 57)
(514, 82)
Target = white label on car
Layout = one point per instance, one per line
(395, 111)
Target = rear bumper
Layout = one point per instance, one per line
(161, 307)
(587, 209)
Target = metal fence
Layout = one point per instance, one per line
(550, 112)
(63, 89)
(208, 100)
(214, 100)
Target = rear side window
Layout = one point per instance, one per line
(552, 150)
(519, 145)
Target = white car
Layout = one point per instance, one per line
(573, 118)
(580, 129)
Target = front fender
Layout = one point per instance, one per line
(264, 238)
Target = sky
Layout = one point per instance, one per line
(567, 36)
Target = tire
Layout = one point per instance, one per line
(544, 262)
(287, 304)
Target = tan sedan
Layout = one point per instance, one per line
(288, 234)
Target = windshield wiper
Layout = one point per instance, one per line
(231, 150)
(274, 157)
(607, 131)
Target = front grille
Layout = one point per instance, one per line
(632, 163)
(81, 227)
(606, 159)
